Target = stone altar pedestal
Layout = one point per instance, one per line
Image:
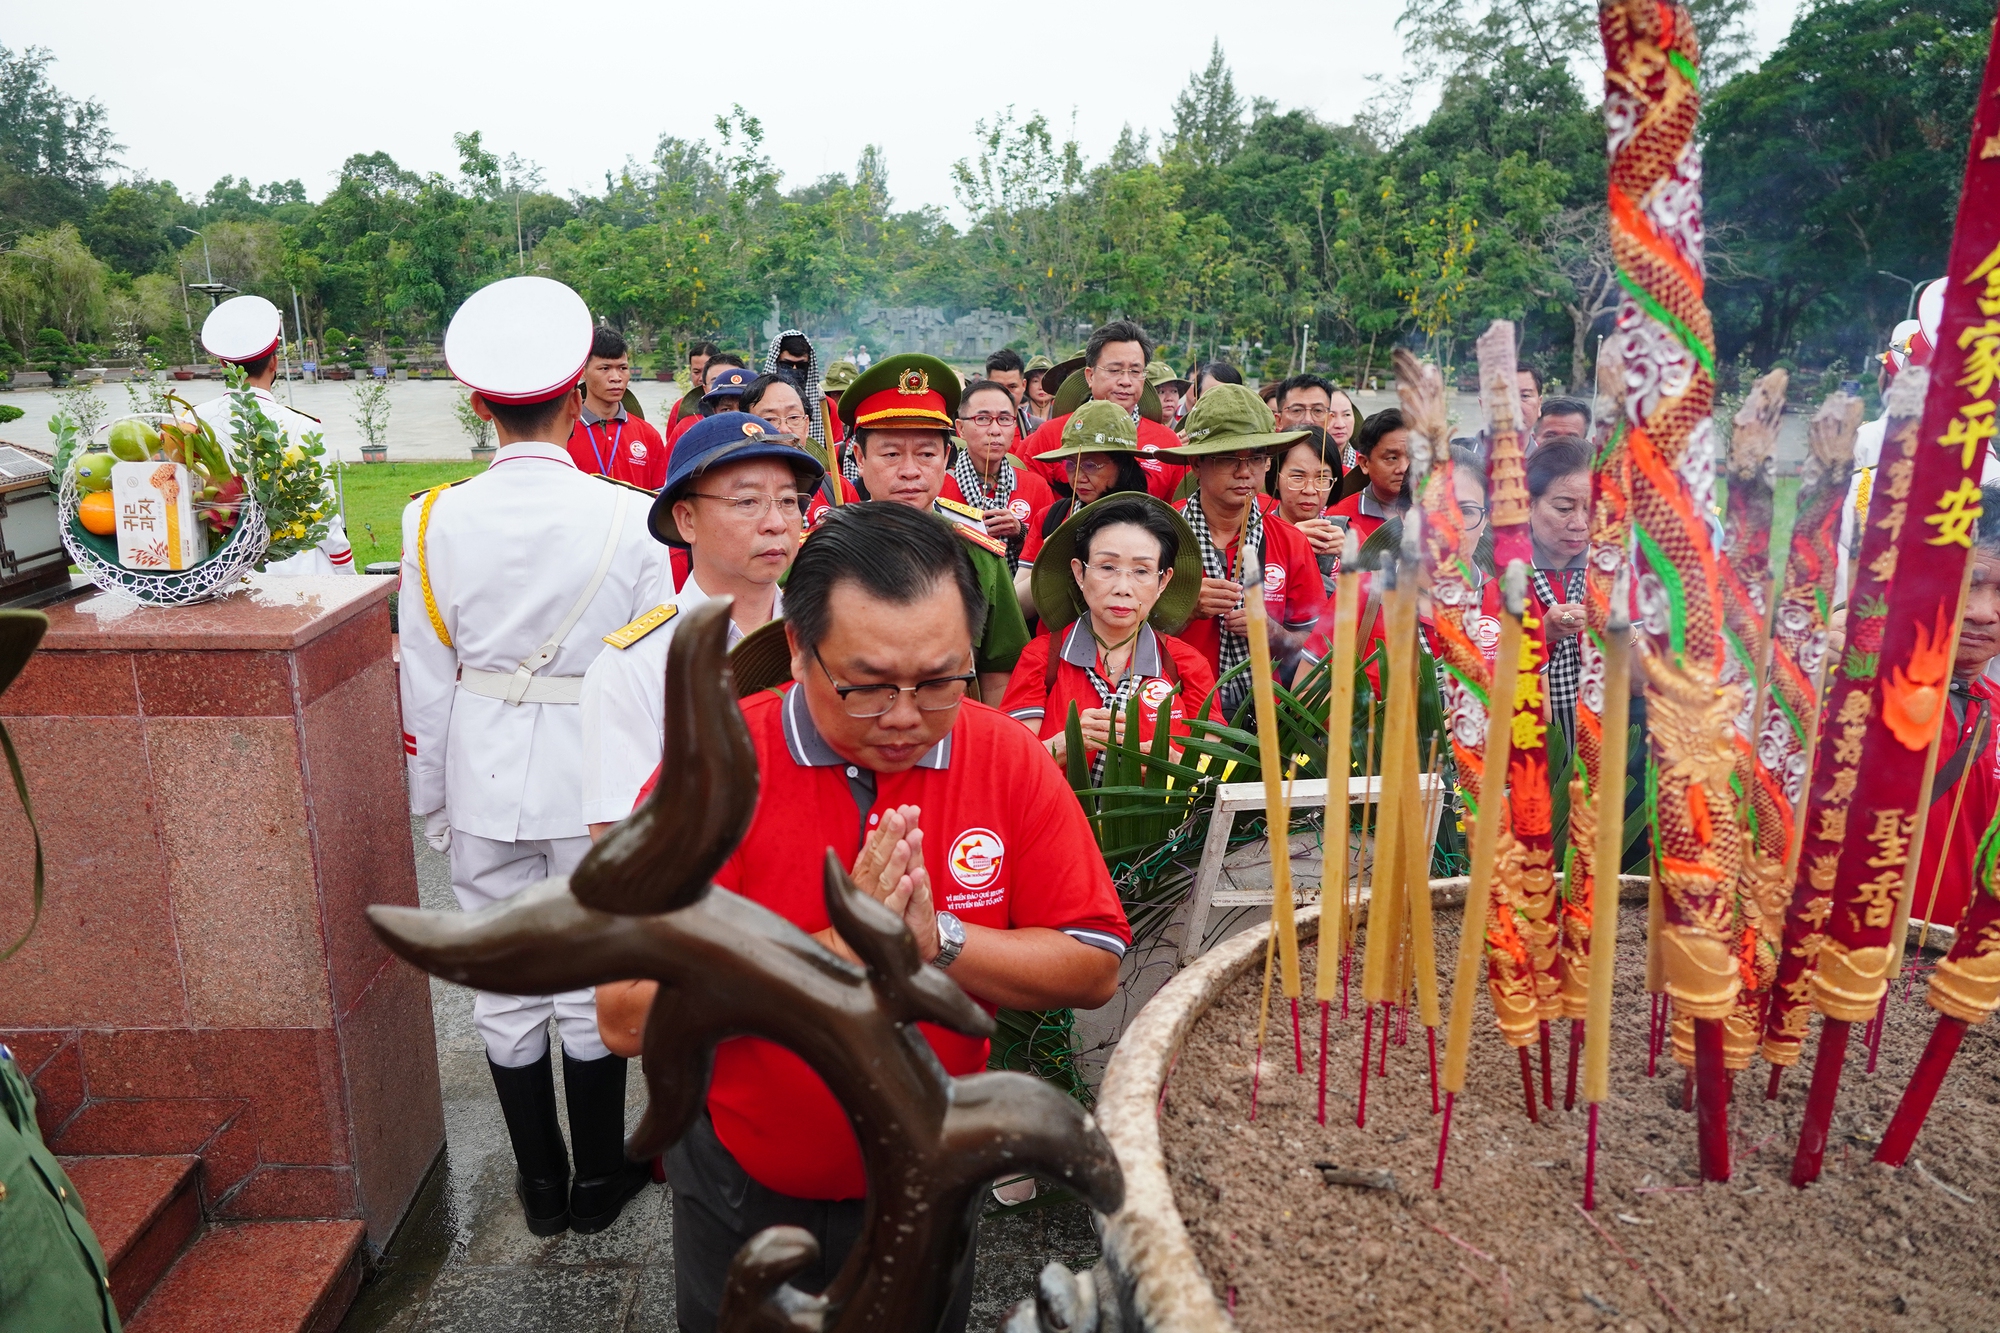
(220, 791)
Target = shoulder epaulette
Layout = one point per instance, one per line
(627, 635)
(418, 495)
(963, 510)
(628, 485)
(978, 537)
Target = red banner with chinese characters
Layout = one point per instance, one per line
(1918, 542)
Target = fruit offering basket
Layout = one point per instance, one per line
(232, 535)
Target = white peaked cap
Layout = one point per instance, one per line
(243, 328)
(1930, 310)
(520, 340)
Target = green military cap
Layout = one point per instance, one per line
(838, 376)
(1159, 372)
(1096, 428)
(1058, 599)
(1037, 362)
(908, 390)
(1228, 419)
(1067, 387)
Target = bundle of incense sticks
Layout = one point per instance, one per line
(1650, 105)
(1789, 723)
(1331, 960)
(1922, 545)
(1606, 593)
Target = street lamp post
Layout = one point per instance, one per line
(206, 267)
(1910, 312)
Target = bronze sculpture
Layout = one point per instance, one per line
(641, 905)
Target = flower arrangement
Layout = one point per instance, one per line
(288, 481)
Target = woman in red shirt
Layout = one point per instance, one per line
(1108, 585)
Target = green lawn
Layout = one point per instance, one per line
(376, 495)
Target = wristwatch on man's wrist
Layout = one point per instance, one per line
(951, 939)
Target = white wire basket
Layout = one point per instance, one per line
(97, 557)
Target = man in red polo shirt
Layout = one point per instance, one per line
(950, 814)
(1114, 369)
(1230, 444)
(607, 440)
(689, 403)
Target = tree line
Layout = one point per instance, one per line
(1244, 228)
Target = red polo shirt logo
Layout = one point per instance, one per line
(638, 451)
(1274, 580)
(1019, 508)
(1154, 693)
(975, 863)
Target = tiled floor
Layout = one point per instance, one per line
(464, 1260)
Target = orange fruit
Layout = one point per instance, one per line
(97, 513)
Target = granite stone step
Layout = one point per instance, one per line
(145, 1211)
(259, 1277)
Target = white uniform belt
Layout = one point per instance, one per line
(540, 689)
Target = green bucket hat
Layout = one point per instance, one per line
(1159, 372)
(1066, 385)
(1037, 362)
(1059, 601)
(838, 376)
(1227, 419)
(761, 659)
(1096, 428)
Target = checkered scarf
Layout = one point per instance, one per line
(1233, 649)
(1113, 697)
(973, 489)
(1564, 672)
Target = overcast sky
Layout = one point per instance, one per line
(296, 91)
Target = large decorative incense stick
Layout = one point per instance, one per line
(1965, 989)
(1277, 808)
(1488, 819)
(1521, 925)
(1789, 722)
(1332, 955)
(1922, 540)
(1650, 105)
(1604, 588)
(1615, 642)
(1761, 887)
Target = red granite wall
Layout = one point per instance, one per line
(220, 791)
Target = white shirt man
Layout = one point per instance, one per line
(511, 580)
(733, 496)
(245, 331)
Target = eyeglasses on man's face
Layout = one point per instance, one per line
(1306, 412)
(752, 508)
(988, 420)
(932, 696)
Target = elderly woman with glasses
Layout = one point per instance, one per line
(1109, 584)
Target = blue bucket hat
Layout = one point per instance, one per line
(726, 437)
(729, 384)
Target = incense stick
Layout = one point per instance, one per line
(1604, 906)
(1339, 760)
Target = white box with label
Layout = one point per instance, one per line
(157, 531)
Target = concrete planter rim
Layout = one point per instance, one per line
(1146, 1243)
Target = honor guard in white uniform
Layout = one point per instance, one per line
(245, 331)
(511, 580)
(734, 498)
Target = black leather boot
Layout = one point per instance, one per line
(528, 1101)
(595, 1091)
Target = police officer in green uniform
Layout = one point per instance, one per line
(900, 412)
(52, 1271)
